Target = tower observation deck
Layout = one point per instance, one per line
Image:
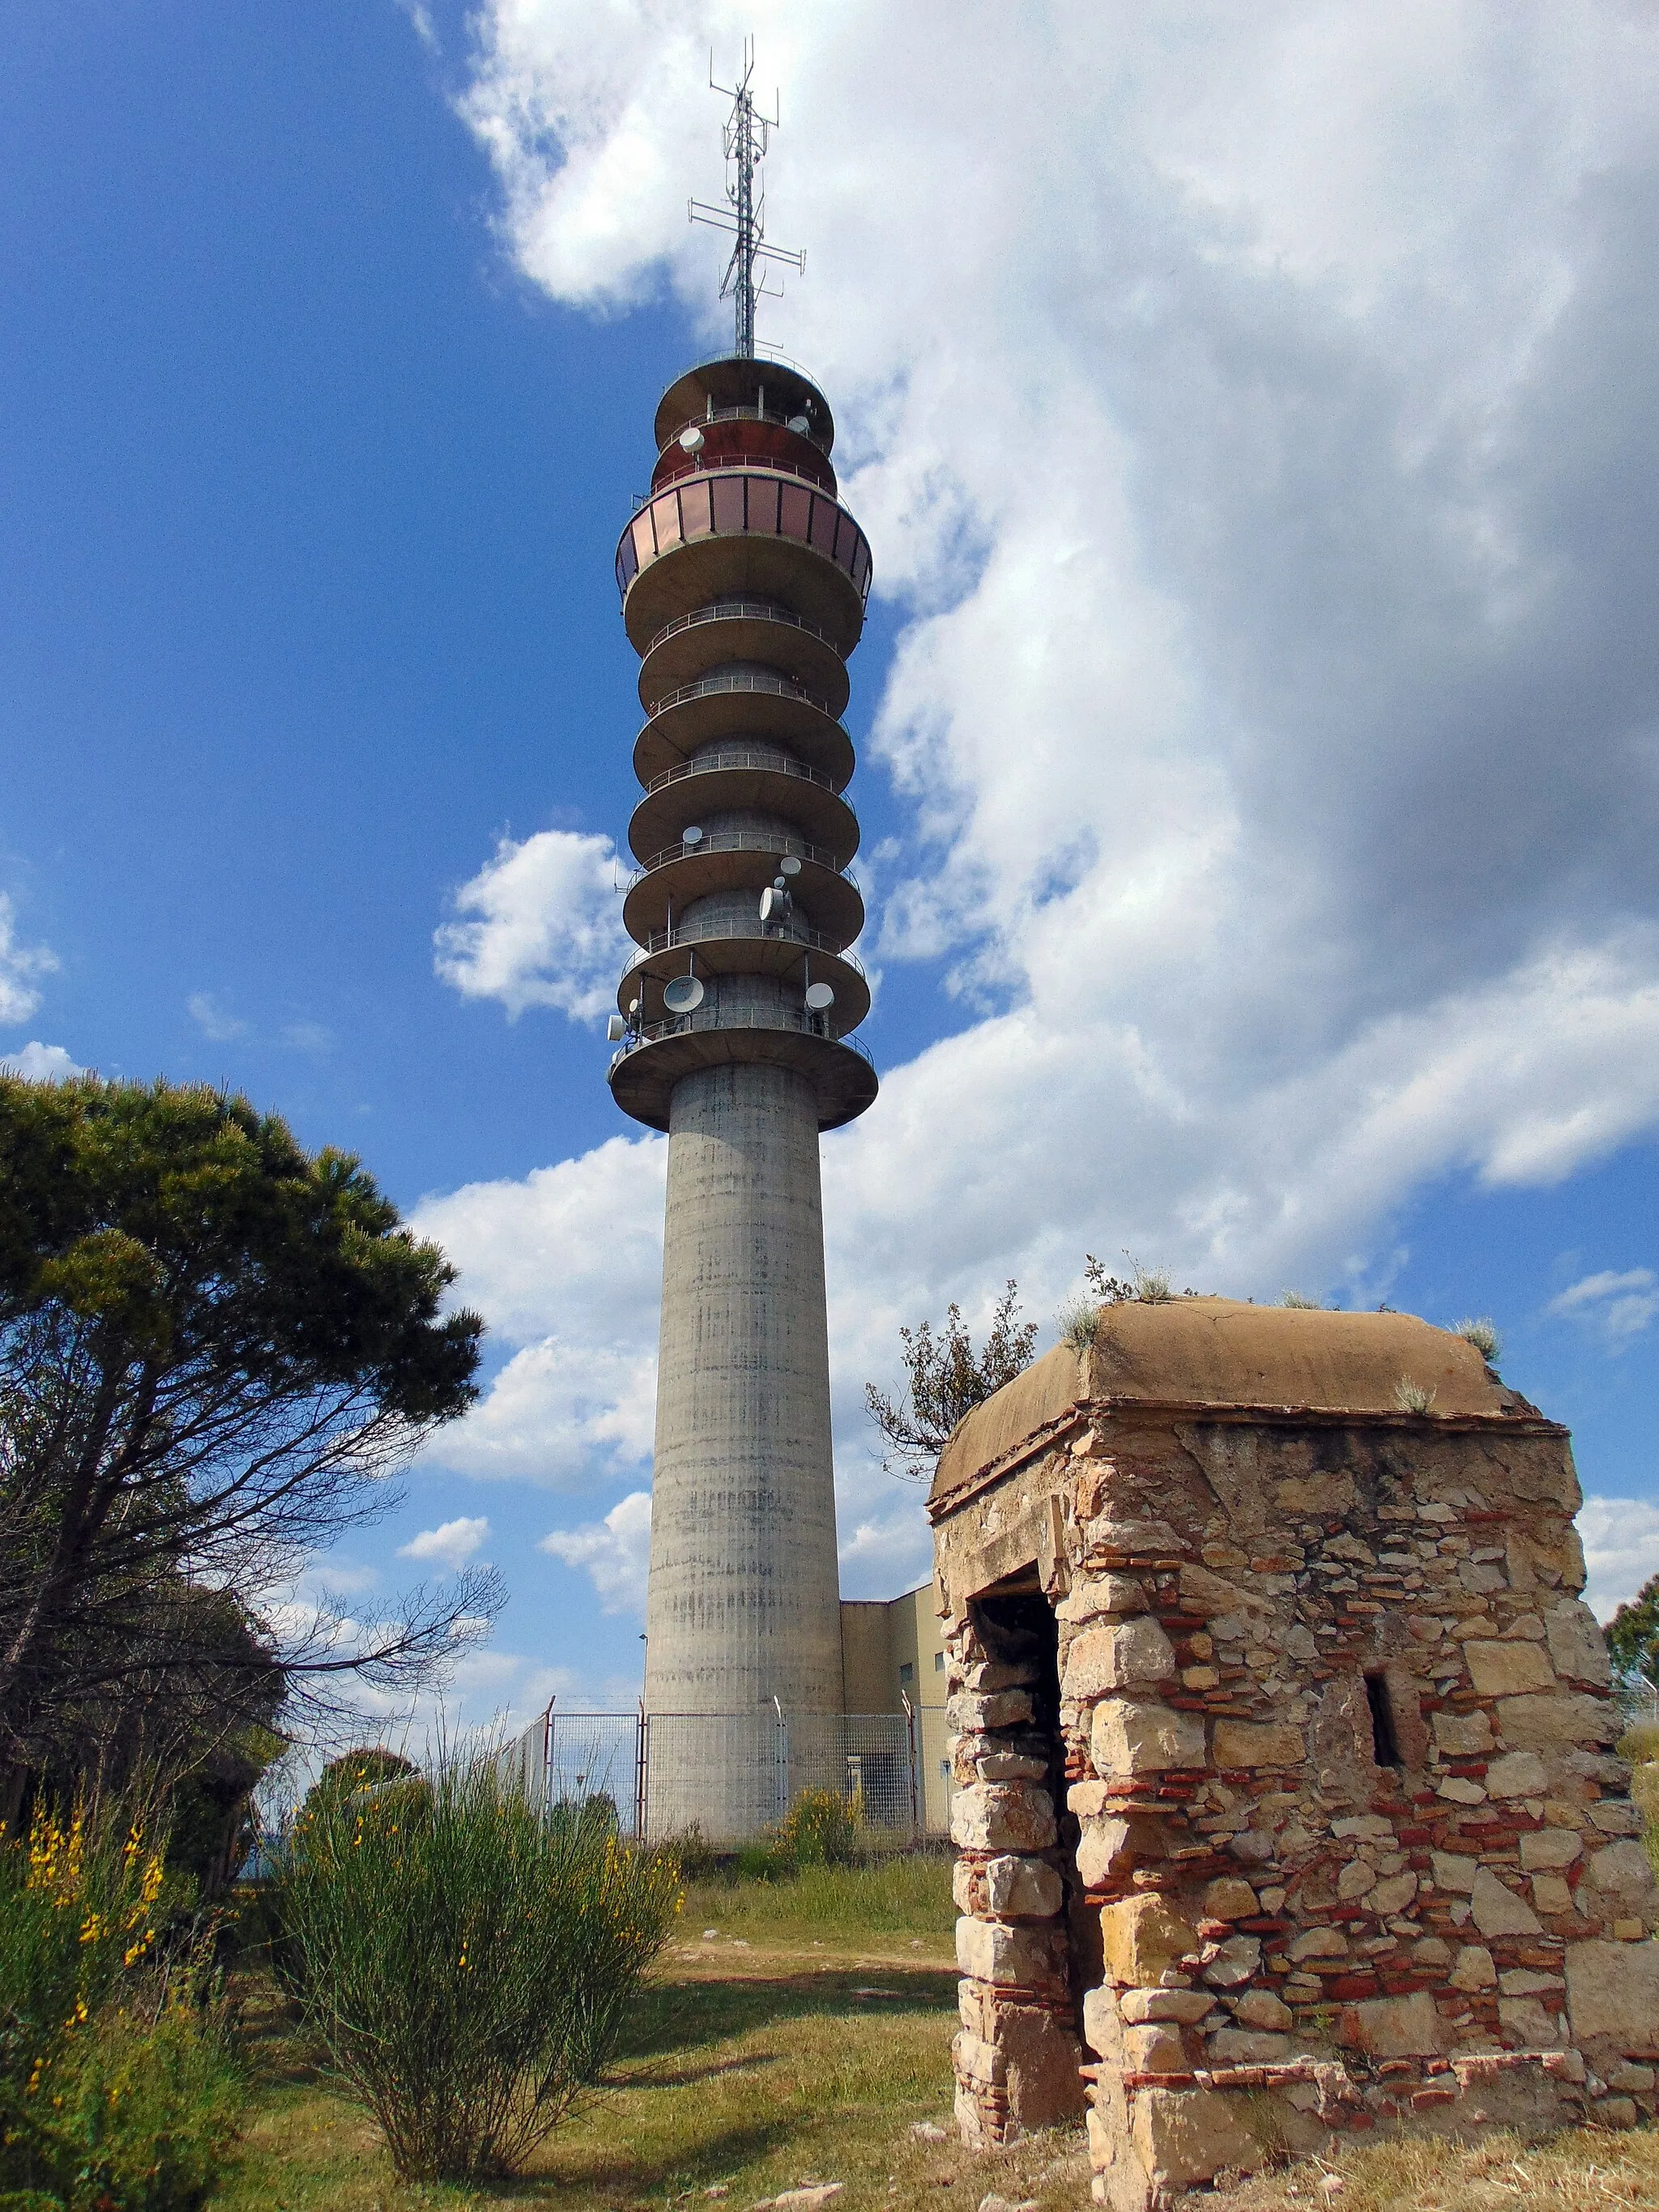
(743, 582)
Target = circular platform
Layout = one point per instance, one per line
(642, 1076)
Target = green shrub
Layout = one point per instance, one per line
(464, 1961)
(115, 2095)
(822, 1829)
(134, 2115)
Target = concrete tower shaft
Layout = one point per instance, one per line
(743, 581)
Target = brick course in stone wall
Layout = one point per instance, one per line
(1341, 1842)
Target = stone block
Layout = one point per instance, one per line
(1613, 1995)
(1497, 1910)
(1102, 2025)
(1463, 1735)
(1108, 1848)
(1319, 1943)
(1241, 2046)
(1010, 1958)
(1518, 1774)
(1184, 2005)
(1453, 1872)
(1474, 1969)
(1040, 2058)
(1238, 1959)
(1549, 1849)
(1631, 2080)
(1134, 1538)
(1620, 1873)
(1123, 1655)
(1021, 1888)
(975, 2060)
(1261, 2009)
(1009, 1766)
(1229, 1899)
(1615, 1816)
(1392, 1895)
(1155, 2048)
(1355, 1879)
(1617, 2113)
(1091, 1595)
(1458, 1790)
(1551, 1895)
(1543, 1724)
(1577, 1647)
(1392, 2027)
(1132, 1736)
(1258, 1743)
(1142, 1936)
(1526, 2019)
(971, 1713)
(1002, 1817)
(1510, 1669)
(1184, 2136)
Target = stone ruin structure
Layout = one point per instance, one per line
(1284, 1800)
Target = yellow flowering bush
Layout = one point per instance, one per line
(115, 2096)
(465, 1960)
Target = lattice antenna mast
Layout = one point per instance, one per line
(748, 132)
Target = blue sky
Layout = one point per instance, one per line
(1234, 896)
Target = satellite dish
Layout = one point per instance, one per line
(633, 1005)
(692, 837)
(616, 1029)
(771, 903)
(691, 440)
(799, 422)
(789, 865)
(683, 995)
(820, 998)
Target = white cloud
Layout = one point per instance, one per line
(1621, 1550)
(1262, 460)
(451, 1544)
(615, 1552)
(213, 1017)
(41, 1063)
(560, 1413)
(1620, 1304)
(19, 966)
(540, 925)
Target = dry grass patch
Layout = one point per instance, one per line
(1587, 2170)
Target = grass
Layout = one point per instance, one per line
(805, 2040)
(1587, 2170)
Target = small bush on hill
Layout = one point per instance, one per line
(464, 1961)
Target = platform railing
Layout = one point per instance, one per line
(743, 611)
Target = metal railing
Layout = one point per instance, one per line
(744, 841)
(788, 1020)
(740, 611)
(779, 763)
(822, 478)
(707, 687)
(791, 933)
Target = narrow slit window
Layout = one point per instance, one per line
(1385, 1745)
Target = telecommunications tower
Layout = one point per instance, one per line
(744, 582)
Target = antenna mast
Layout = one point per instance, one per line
(746, 136)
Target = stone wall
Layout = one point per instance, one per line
(1339, 1842)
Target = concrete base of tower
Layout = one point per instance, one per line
(744, 1599)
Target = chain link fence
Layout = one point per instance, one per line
(735, 1774)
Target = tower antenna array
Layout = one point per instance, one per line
(746, 136)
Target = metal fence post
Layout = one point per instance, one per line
(781, 1765)
(641, 1765)
(916, 1767)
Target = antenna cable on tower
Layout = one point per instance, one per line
(747, 137)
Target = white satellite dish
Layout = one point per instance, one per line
(820, 998)
(789, 865)
(774, 903)
(798, 422)
(693, 837)
(691, 440)
(634, 1006)
(616, 1029)
(683, 995)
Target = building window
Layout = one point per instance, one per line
(945, 1770)
(938, 1662)
(906, 1675)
